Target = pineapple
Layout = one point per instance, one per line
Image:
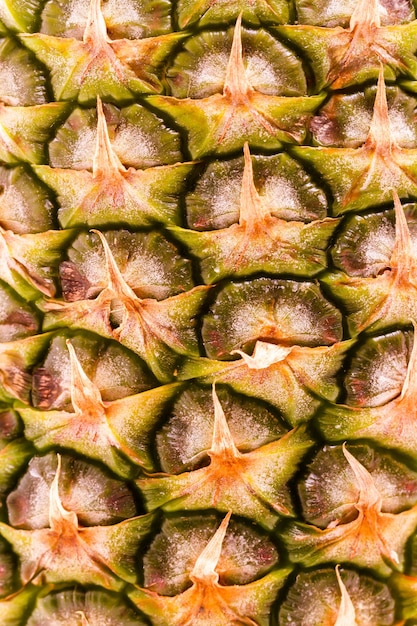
(208, 281)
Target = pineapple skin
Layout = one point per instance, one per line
(208, 281)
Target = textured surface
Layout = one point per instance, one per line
(208, 302)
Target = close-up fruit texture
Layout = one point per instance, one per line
(208, 305)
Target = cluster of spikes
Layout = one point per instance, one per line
(208, 364)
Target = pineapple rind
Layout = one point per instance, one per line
(364, 181)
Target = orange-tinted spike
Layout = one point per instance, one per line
(236, 84)
(222, 445)
(379, 136)
(95, 32)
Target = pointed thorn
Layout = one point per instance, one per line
(58, 516)
(236, 84)
(105, 161)
(204, 570)
(222, 445)
(346, 615)
(367, 14)
(379, 136)
(369, 496)
(116, 282)
(402, 254)
(95, 32)
(85, 395)
(84, 620)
